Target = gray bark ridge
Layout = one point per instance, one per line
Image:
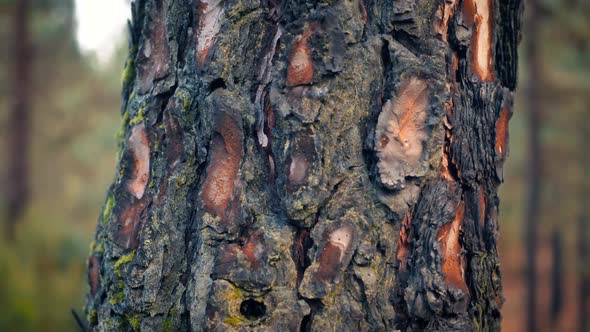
(306, 166)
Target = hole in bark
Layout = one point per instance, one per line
(386, 59)
(252, 309)
(305, 323)
(217, 83)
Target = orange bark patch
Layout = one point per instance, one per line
(479, 12)
(93, 271)
(331, 257)
(452, 261)
(482, 207)
(222, 171)
(403, 243)
(300, 68)
(502, 131)
(253, 249)
(209, 18)
(140, 151)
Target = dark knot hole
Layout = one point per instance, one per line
(252, 309)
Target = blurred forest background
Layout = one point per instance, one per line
(59, 158)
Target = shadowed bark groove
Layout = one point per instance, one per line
(307, 166)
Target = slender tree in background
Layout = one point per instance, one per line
(556, 277)
(583, 245)
(307, 166)
(534, 162)
(17, 177)
(584, 274)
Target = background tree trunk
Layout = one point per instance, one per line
(583, 243)
(307, 166)
(534, 106)
(17, 177)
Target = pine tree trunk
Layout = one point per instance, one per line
(328, 165)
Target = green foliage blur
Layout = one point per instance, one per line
(75, 117)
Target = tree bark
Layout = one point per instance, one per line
(17, 176)
(306, 166)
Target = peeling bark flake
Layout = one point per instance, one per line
(400, 131)
(210, 16)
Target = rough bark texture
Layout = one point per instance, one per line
(308, 166)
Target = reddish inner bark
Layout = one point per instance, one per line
(139, 147)
(482, 207)
(331, 257)
(480, 13)
(300, 68)
(328, 262)
(452, 262)
(502, 131)
(222, 171)
(130, 223)
(93, 271)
